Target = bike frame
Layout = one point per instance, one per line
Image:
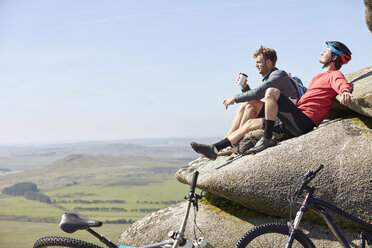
(166, 243)
(178, 236)
(316, 206)
(171, 242)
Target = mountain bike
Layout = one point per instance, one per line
(71, 222)
(281, 235)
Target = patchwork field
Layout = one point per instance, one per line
(105, 200)
(118, 200)
(115, 189)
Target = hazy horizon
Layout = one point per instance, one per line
(125, 141)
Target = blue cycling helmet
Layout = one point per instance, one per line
(341, 50)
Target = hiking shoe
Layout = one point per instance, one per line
(246, 143)
(261, 145)
(208, 151)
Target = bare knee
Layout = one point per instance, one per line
(252, 124)
(243, 107)
(272, 93)
(256, 105)
(248, 107)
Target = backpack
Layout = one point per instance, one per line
(301, 89)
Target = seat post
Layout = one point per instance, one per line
(101, 238)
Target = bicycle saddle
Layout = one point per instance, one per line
(71, 222)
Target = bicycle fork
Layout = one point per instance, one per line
(365, 239)
(296, 223)
(181, 231)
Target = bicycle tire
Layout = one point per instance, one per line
(272, 235)
(63, 242)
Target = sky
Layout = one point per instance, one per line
(88, 70)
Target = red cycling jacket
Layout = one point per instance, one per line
(319, 97)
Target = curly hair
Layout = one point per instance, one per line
(267, 53)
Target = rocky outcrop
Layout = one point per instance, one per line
(261, 184)
(361, 98)
(155, 227)
(368, 11)
(220, 228)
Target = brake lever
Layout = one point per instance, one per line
(195, 201)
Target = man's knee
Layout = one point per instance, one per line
(272, 93)
(243, 107)
(256, 105)
(252, 124)
(248, 106)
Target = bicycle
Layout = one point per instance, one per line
(71, 222)
(281, 235)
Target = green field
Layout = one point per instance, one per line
(111, 189)
(141, 196)
(144, 196)
(21, 209)
(23, 234)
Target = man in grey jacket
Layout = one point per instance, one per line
(251, 106)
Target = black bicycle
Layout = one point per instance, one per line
(281, 235)
(71, 222)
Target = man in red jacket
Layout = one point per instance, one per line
(309, 112)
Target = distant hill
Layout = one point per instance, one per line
(28, 157)
(77, 168)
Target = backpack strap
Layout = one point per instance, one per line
(300, 88)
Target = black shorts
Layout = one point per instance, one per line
(294, 121)
(262, 112)
(278, 125)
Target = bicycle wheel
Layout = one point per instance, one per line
(272, 235)
(63, 242)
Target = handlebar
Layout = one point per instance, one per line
(193, 184)
(309, 176)
(321, 166)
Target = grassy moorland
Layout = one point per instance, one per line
(26, 216)
(119, 199)
(96, 199)
(78, 168)
(110, 187)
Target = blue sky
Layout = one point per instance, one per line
(81, 70)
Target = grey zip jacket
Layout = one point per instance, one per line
(274, 79)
